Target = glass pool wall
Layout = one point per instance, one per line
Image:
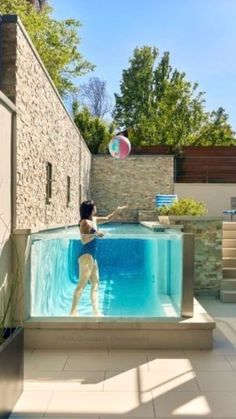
(140, 273)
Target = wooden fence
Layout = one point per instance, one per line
(199, 164)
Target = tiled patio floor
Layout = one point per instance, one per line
(135, 383)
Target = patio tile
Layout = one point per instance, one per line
(215, 307)
(128, 352)
(64, 380)
(142, 380)
(216, 381)
(46, 361)
(89, 361)
(94, 404)
(181, 405)
(176, 365)
(188, 384)
(116, 360)
(232, 361)
(123, 359)
(225, 334)
(222, 404)
(32, 403)
(209, 362)
(130, 380)
(165, 353)
(202, 353)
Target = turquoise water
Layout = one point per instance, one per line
(140, 272)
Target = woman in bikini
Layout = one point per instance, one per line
(88, 267)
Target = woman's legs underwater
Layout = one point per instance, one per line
(88, 269)
(85, 269)
(94, 289)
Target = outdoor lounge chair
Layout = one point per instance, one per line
(167, 200)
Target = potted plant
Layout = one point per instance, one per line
(11, 335)
(181, 207)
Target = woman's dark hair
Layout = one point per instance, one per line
(86, 209)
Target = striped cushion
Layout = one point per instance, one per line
(162, 200)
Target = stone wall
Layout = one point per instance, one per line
(134, 181)
(44, 133)
(208, 251)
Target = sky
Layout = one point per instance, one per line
(199, 34)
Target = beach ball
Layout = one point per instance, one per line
(119, 147)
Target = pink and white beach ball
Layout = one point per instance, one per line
(119, 147)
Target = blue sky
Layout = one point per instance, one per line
(199, 34)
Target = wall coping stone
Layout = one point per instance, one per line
(133, 156)
(16, 19)
(184, 217)
(19, 231)
(194, 218)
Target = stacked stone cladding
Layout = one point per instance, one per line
(44, 133)
(134, 181)
(208, 252)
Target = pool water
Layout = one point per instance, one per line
(140, 272)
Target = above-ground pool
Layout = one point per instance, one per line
(140, 272)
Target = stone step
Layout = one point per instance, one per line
(229, 252)
(229, 262)
(228, 296)
(228, 284)
(231, 225)
(229, 243)
(229, 273)
(229, 234)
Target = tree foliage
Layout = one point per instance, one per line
(95, 97)
(95, 131)
(160, 106)
(215, 131)
(56, 41)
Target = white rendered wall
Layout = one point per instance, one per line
(5, 198)
(216, 196)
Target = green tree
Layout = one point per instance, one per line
(136, 88)
(215, 131)
(56, 41)
(95, 131)
(160, 106)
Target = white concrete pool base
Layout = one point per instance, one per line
(128, 333)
